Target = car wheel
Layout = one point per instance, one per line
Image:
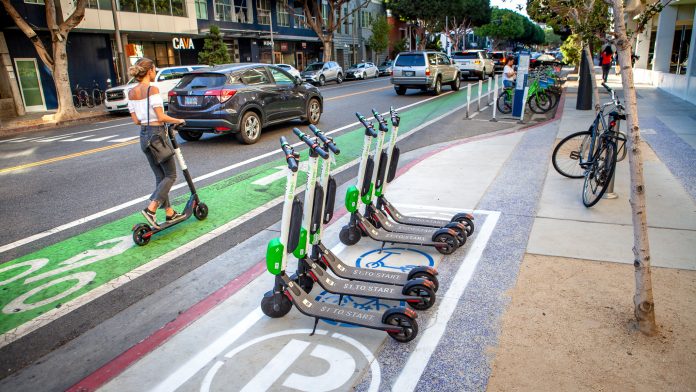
(339, 79)
(250, 128)
(400, 90)
(313, 111)
(190, 136)
(322, 80)
(438, 86)
(456, 84)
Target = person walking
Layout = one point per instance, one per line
(606, 57)
(147, 110)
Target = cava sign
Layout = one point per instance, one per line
(182, 43)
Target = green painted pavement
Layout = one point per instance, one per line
(51, 277)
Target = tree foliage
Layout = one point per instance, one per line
(551, 38)
(505, 25)
(379, 41)
(571, 50)
(465, 14)
(214, 49)
(425, 15)
(587, 18)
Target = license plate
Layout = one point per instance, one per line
(190, 101)
(409, 73)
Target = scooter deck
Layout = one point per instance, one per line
(396, 227)
(345, 271)
(410, 220)
(307, 306)
(397, 238)
(358, 288)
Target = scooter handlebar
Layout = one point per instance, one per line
(290, 155)
(369, 128)
(395, 118)
(380, 119)
(328, 142)
(311, 143)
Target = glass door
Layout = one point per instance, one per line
(30, 84)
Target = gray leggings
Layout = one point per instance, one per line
(165, 173)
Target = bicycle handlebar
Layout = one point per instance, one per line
(328, 142)
(369, 128)
(290, 155)
(311, 143)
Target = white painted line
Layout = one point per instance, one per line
(127, 204)
(474, 115)
(124, 139)
(280, 173)
(76, 138)
(18, 140)
(50, 139)
(100, 139)
(428, 341)
(276, 366)
(349, 84)
(374, 364)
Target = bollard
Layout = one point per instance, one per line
(468, 98)
(478, 99)
(524, 104)
(609, 194)
(495, 98)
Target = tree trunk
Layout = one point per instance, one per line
(593, 78)
(66, 108)
(643, 298)
(328, 49)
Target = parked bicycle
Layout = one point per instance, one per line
(81, 98)
(543, 94)
(98, 95)
(593, 154)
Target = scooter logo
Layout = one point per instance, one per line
(348, 301)
(400, 259)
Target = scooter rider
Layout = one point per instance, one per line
(146, 109)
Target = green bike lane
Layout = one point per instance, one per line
(43, 285)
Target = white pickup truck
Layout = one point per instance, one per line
(474, 63)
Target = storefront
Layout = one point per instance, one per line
(296, 53)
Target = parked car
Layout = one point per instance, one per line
(291, 70)
(320, 73)
(474, 63)
(117, 97)
(362, 71)
(424, 70)
(542, 59)
(386, 67)
(499, 59)
(241, 99)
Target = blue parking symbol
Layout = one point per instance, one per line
(401, 259)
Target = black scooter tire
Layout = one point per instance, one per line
(138, 234)
(408, 327)
(450, 243)
(349, 235)
(201, 211)
(275, 305)
(426, 293)
(427, 276)
(468, 223)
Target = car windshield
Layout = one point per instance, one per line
(498, 55)
(410, 60)
(201, 80)
(465, 55)
(314, 67)
(283, 66)
(358, 66)
(385, 64)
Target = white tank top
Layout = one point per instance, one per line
(139, 107)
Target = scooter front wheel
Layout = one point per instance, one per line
(275, 305)
(140, 234)
(426, 294)
(407, 327)
(427, 276)
(349, 235)
(449, 243)
(201, 211)
(468, 223)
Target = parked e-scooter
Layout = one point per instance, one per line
(323, 214)
(142, 232)
(444, 240)
(417, 293)
(386, 173)
(400, 323)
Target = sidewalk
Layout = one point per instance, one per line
(44, 120)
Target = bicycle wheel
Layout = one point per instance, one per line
(97, 96)
(85, 99)
(599, 174)
(504, 103)
(566, 156)
(539, 103)
(76, 101)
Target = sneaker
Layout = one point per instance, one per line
(176, 216)
(150, 217)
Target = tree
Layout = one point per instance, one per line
(56, 60)
(551, 38)
(465, 14)
(379, 41)
(427, 16)
(325, 24)
(214, 49)
(505, 25)
(571, 50)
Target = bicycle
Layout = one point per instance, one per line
(593, 154)
(81, 98)
(543, 94)
(98, 95)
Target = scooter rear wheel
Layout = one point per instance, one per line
(275, 305)
(408, 327)
(427, 276)
(450, 243)
(468, 223)
(139, 236)
(201, 211)
(349, 235)
(426, 294)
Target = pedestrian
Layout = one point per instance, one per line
(605, 60)
(147, 110)
(509, 73)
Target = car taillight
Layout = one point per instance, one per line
(427, 72)
(171, 93)
(223, 94)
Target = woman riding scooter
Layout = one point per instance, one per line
(147, 110)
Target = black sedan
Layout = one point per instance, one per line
(241, 99)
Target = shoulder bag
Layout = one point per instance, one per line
(159, 147)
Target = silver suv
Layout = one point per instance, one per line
(424, 70)
(320, 73)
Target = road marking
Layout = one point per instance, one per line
(357, 93)
(277, 366)
(15, 140)
(62, 158)
(100, 139)
(127, 204)
(50, 139)
(428, 341)
(280, 173)
(76, 138)
(125, 139)
(349, 85)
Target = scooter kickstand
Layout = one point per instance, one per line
(382, 248)
(316, 321)
(340, 299)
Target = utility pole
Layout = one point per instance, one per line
(119, 44)
(270, 17)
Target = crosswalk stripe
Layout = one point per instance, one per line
(76, 138)
(125, 139)
(100, 139)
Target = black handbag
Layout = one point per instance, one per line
(160, 148)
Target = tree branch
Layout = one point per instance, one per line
(29, 32)
(74, 19)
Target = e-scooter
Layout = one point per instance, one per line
(323, 215)
(444, 240)
(142, 232)
(386, 173)
(376, 216)
(400, 323)
(418, 293)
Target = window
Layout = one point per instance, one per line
(325, 13)
(410, 60)
(169, 74)
(364, 19)
(34, 1)
(179, 8)
(300, 22)
(281, 77)
(346, 21)
(163, 7)
(432, 59)
(255, 76)
(128, 5)
(282, 16)
(263, 11)
(443, 60)
(242, 12)
(146, 6)
(223, 10)
(201, 9)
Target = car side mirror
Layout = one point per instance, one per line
(452, 62)
(298, 81)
